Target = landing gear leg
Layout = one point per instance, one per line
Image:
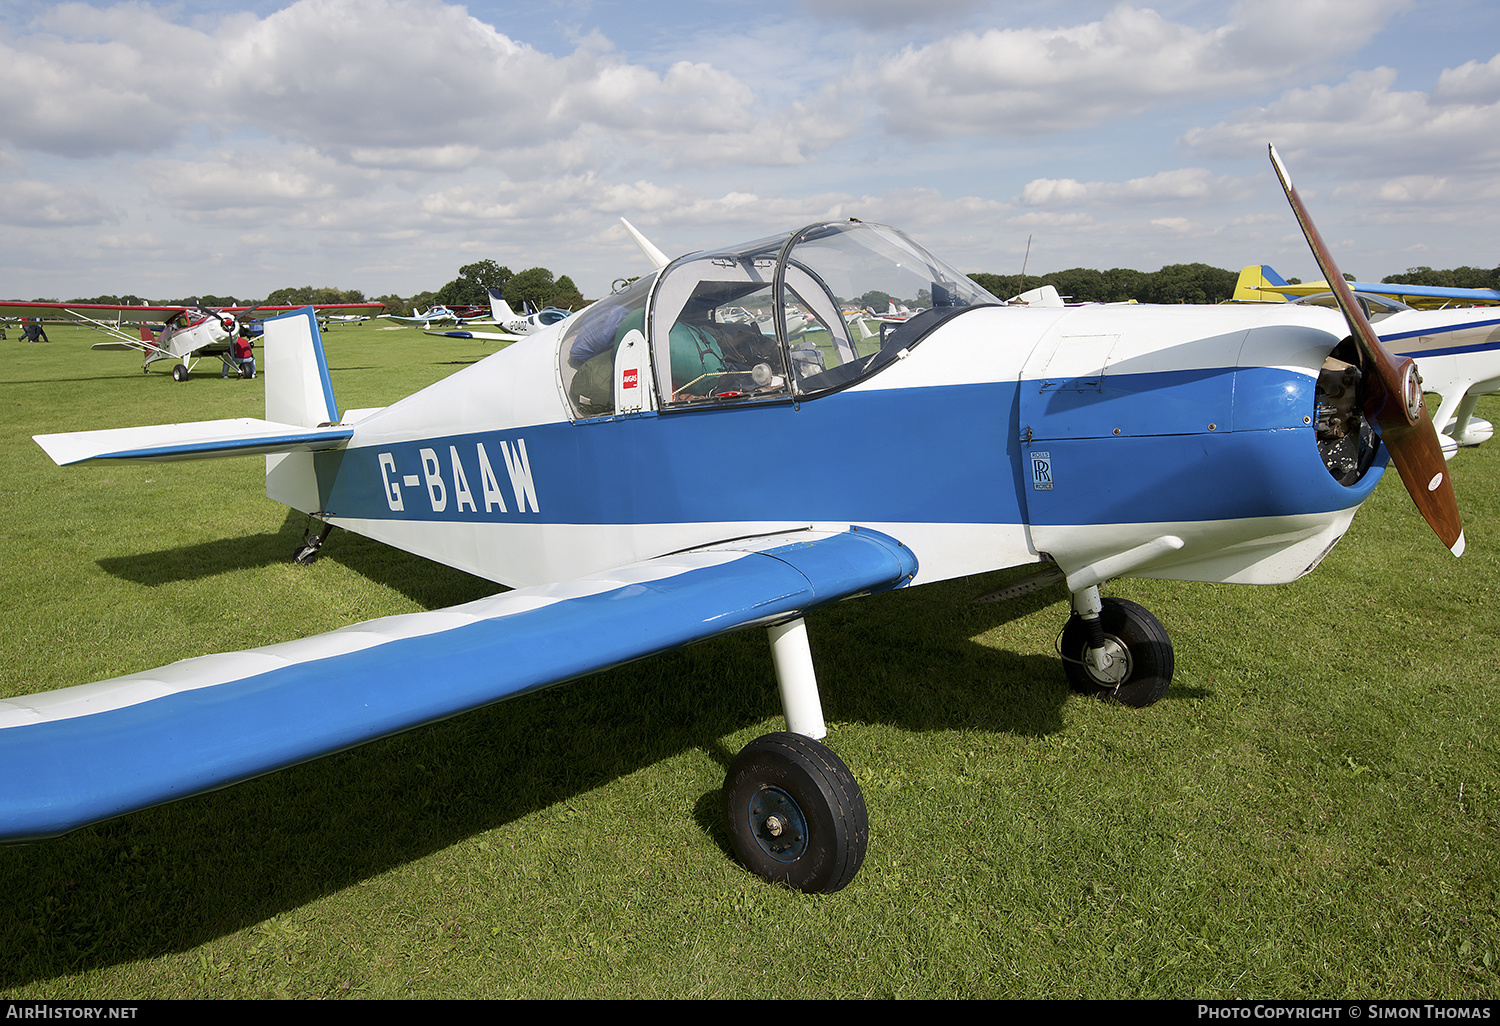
(1115, 649)
(312, 544)
(795, 813)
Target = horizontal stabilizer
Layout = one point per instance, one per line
(84, 754)
(196, 441)
(494, 336)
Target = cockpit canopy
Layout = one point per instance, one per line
(791, 316)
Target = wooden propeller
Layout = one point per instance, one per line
(1396, 404)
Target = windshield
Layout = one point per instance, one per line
(866, 292)
(797, 314)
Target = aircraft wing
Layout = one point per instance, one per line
(368, 309)
(481, 335)
(84, 754)
(90, 312)
(199, 440)
(1418, 296)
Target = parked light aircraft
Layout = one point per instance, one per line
(1260, 282)
(646, 475)
(1454, 337)
(517, 326)
(437, 314)
(187, 333)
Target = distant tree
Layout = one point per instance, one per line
(1458, 277)
(112, 300)
(566, 295)
(473, 281)
(1001, 286)
(306, 295)
(533, 286)
(1175, 283)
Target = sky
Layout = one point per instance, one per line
(233, 147)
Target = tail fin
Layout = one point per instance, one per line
(148, 343)
(499, 308)
(298, 388)
(1252, 286)
(298, 391)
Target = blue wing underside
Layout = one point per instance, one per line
(86, 754)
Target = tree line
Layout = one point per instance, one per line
(1456, 278)
(536, 287)
(1173, 284)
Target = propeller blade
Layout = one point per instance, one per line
(1397, 406)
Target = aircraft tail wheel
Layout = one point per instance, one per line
(795, 814)
(179, 373)
(1139, 667)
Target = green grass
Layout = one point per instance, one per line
(1311, 812)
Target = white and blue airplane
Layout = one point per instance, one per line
(646, 475)
(517, 326)
(436, 314)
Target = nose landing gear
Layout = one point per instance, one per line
(1115, 649)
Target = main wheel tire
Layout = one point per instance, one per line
(795, 813)
(179, 373)
(1132, 634)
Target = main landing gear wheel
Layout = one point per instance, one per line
(796, 815)
(1140, 655)
(179, 373)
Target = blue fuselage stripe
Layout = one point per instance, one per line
(1200, 445)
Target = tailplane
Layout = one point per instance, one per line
(301, 417)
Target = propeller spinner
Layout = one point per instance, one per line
(1396, 403)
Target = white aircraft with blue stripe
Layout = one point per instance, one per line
(647, 474)
(517, 326)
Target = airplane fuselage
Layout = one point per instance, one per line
(1006, 436)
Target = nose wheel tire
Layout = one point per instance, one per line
(795, 813)
(1138, 654)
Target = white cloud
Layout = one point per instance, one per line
(1029, 81)
(1471, 82)
(44, 205)
(415, 84)
(1363, 126)
(1190, 184)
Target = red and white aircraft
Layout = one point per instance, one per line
(187, 333)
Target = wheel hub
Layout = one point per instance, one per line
(777, 824)
(1109, 664)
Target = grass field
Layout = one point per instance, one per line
(1312, 812)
